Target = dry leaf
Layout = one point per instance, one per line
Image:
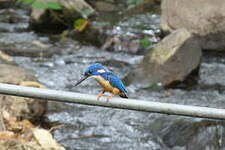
(6, 135)
(32, 84)
(5, 115)
(27, 124)
(45, 139)
(14, 125)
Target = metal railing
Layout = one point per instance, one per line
(130, 104)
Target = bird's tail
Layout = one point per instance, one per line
(123, 95)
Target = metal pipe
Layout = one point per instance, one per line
(131, 104)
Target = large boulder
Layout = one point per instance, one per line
(190, 133)
(205, 18)
(20, 107)
(172, 60)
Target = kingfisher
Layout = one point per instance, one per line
(107, 79)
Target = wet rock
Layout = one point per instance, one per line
(22, 108)
(60, 19)
(124, 36)
(6, 3)
(6, 59)
(204, 18)
(126, 6)
(119, 43)
(193, 134)
(105, 6)
(29, 52)
(26, 44)
(141, 6)
(13, 20)
(157, 1)
(92, 35)
(172, 60)
(127, 34)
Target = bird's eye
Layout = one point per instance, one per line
(88, 73)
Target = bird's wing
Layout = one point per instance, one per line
(116, 82)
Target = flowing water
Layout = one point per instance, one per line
(97, 128)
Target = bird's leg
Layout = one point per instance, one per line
(109, 98)
(100, 95)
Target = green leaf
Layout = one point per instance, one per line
(81, 24)
(145, 43)
(26, 1)
(54, 5)
(38, 4)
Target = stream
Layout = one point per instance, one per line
(96, 128)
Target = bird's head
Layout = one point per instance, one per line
(93, 70)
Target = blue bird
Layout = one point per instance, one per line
(107, 79)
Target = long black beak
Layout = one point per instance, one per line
(81, 80)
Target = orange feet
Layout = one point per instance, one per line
(109, 98)
(100, 95)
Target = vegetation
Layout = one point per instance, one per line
(134, 3)
(42, 4)
(145, 43)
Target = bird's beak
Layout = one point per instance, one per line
(81, 80)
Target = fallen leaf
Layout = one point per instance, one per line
(45, 139)
(81, 24)
(5, 115)
(6, 135)
(27, 124)
(14, 125)
(32, 84)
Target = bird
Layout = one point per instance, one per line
(107, 79)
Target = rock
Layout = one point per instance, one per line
(6, 4)
(194, 134)
(172, 60)
(20, 107)
(24, 134)
(142, 6)
(29, 51)
(205, 18)
(13, 20)
(62, 18)
(6, 59)
(130, 44)
(45, 139)
(125, 36)
(105, 6)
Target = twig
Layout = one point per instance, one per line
(2, 124)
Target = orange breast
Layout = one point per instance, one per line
(106, 85)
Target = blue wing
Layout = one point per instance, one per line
(116, 82)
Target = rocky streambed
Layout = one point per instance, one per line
(89, 127)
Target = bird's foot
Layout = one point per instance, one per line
(109, 98)
(100, 95)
